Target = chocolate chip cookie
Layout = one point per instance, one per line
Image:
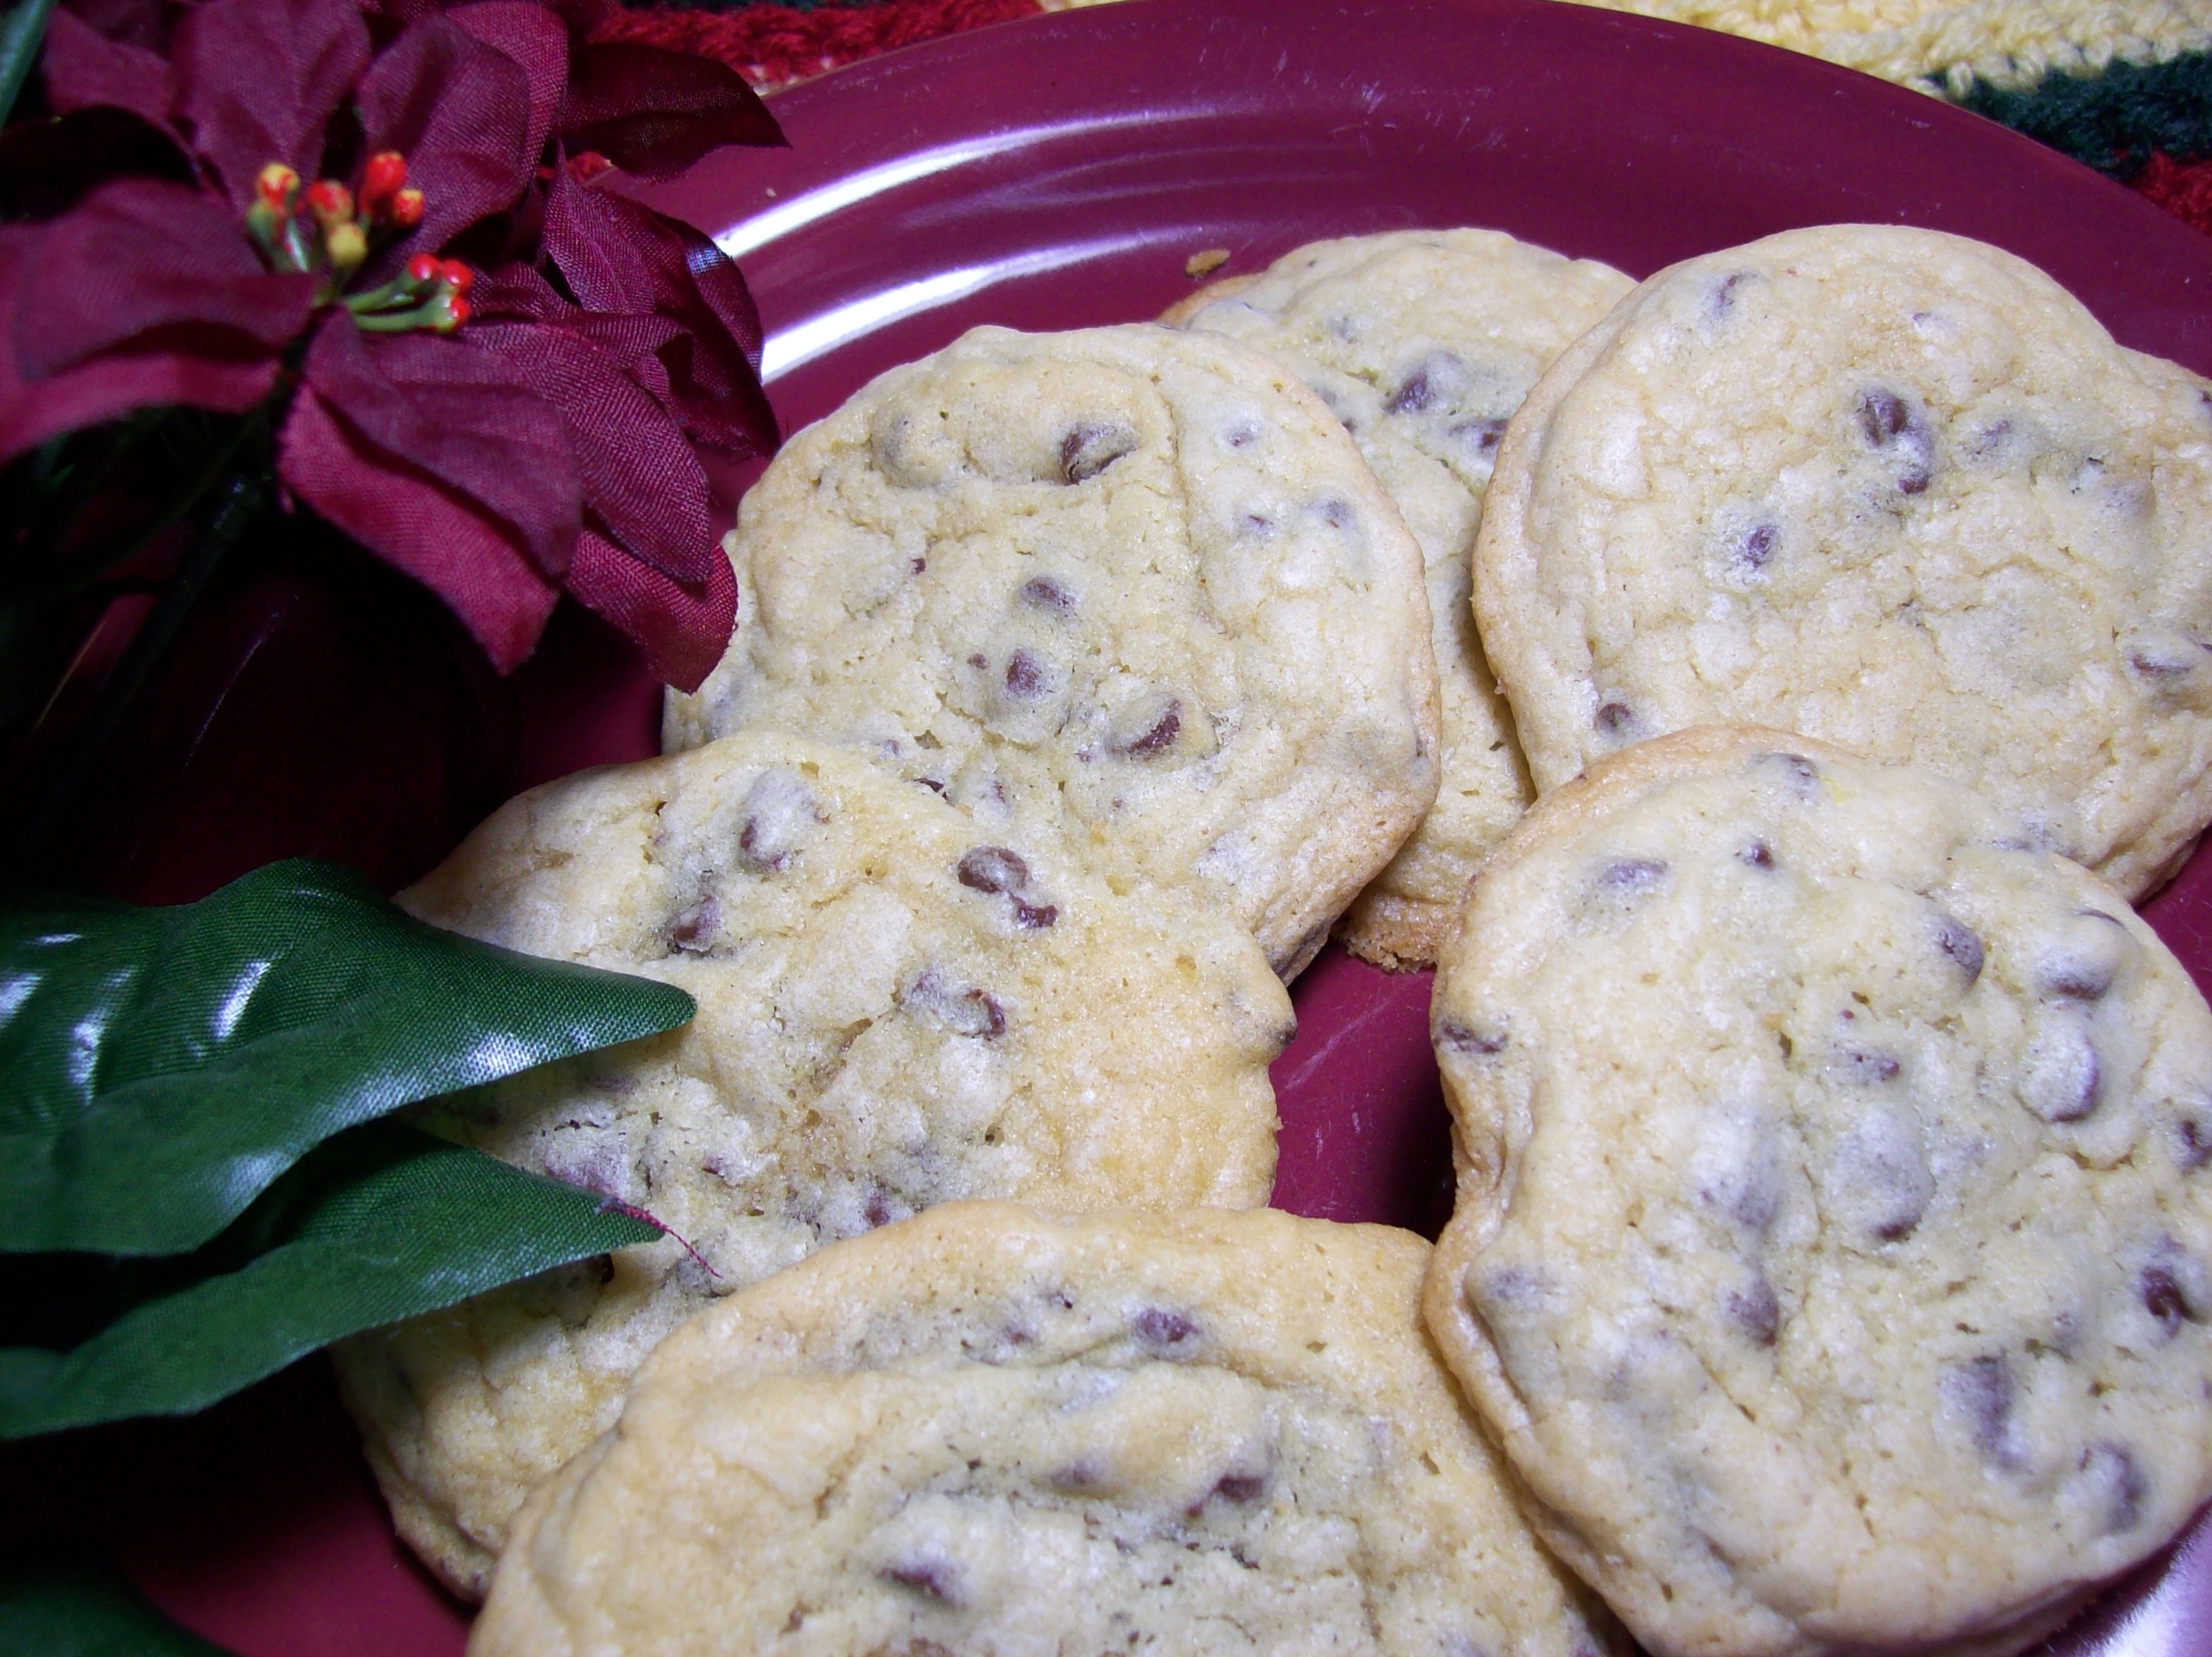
(1125, 590)
(1423, 343)
(1889, 487)
(986, 1430)
(1833, 1252)
(892, 1012)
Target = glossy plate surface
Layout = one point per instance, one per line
(1059, 172)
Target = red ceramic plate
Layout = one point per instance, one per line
(1059, 172)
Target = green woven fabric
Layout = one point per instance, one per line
(2117, 120)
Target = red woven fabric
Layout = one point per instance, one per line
(772, 45)
(2182, 188)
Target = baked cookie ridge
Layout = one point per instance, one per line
(1423, 343)
(1830, 1255)
(893, 1012)
(1127, 589)
(989, 1430)
(1888, 487)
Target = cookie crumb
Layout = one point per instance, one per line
(1205, 263)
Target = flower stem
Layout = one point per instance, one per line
(240, 500)
(22, 33)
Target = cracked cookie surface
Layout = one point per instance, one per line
(1423, 343)
(1833, 1250)
(891, 1014)
(1890, 487)
(1127, 589)
(990, 1431)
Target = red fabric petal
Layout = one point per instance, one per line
(516, 291)
(83, 67)
(461, 113)
(258, 81)
(534, 37)
(112, 385)
(142, 257)
(148, 23)
(619, 256)
(641, 479)
(654, 112)
(683, 628)
(772, 44)
(410, 521)
(462, 416)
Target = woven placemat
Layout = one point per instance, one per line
(2122, 85)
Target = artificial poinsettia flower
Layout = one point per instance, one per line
(503, 430)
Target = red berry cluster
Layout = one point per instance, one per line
(329, 229)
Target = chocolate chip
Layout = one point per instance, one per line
(1460, 1039)
(1800, 773)
(1982, 1389)
(1439, 380)
(1882, 415)
(933, 1579)
(1413, 394)
(1482, 436)
(1088, 450)
(1077, 1477)
(1876, 1180)
(1043, 592)
(1156, 736)
(1615, 719)
(878, 1209)
(1722, 300)
(2061, 1079)
(1758, 854)
(2163, 1297)
(1756, 547)
(692, 930)
(979, 660)
(1025, 675)
(930, 783)
(2173, 1286)
(962, 1009)
(1241, 1487)
(1630, 876)
(1860, 1067)
(1756, 1311)
(1159, 1327)
(1991, 440)
(993, 868)
(1892, 424)
(2192, 1141)
(779, 810)
(2078, 980)
(2082, 960)
(1242, 437)
(1958, 940)
(1035, 917)
(1258, 524)
(2125, 1485)
(918, 566)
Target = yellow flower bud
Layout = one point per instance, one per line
(346, 245)
(276, 185)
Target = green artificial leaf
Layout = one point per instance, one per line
(163, 1066)
(69, 1605)
(381, 1224)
